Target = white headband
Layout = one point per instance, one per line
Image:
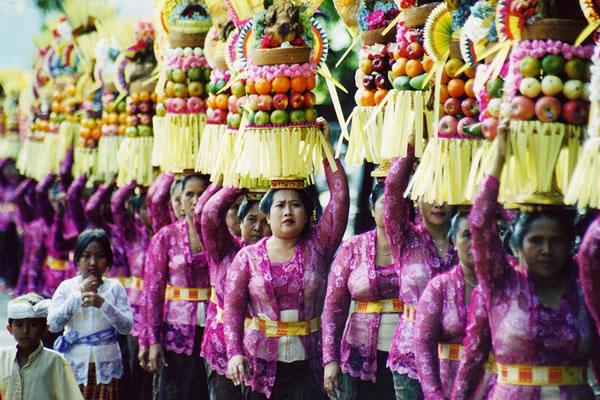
(23, 309)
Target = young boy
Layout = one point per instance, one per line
(29, 371)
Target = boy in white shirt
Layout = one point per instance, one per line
(28, 371)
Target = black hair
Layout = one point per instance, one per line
(187, 178)
(376, 193)
(307, 201)
(93, 235)
(244, 208)
(523, 222)
(174, 186)
(137, 201)
(455, 223)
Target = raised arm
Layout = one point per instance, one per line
(123, 220)
(211, 225)
(428, 331)
(64, 304)
(158, 201)
(75, 202)
(332, 224)
(395, 205)
(236, 302)
(589, 269)
(66, 177)
(155, 283)
(93, 208)
(22, 198)
(41, 197)
(210, 191)
(337, 301)
(478, 345)
(57, 231)
(119, 314)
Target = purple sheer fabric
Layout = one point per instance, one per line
(160, 211)
(589, 269)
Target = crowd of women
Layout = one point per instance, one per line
(223, 294)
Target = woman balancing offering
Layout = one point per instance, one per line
(282, 280)
(533, 316)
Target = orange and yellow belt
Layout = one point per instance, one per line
(455, 352)
(379, 306)
(530, 375)
(132, 282)
(56, 264)
(281, 328)
(409, 312)
(187, 294)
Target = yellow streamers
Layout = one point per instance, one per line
(363, 143)
(108, 149)
(181, 141)
(86, 162)
(159, 126)
(9, 146)
(209, 148)
(134, 161)
(585, 181)
(67, 132)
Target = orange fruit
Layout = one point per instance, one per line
(414, 68)
(280, 84)
(211, 102)
(456, 87)
(399, 67)
(445, 78)
(379, 95)
(443, 93)
(311, 82)
(469, 88)
(96, 133)
(263, 86)
(366, 98)
(298, 84)
(427, 63)
(470, 72)
(250, 87)
(221, 101)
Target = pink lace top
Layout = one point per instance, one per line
(170, 260)
(354, 276)
(416, 257)
(160, 211)
(513, 322)
(252, 284)
(589, 269)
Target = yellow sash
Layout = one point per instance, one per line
(379, 307)
(187, 294)
(530, 375)
(281, 328)
(56, 264)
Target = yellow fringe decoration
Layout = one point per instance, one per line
(540, 159)
(584, 189)
(443, 173)
(224, 163)
(85, 161)
(480, 165)
(181, 141)
(51, 154)
(67, 132)
(108, 148)
(403, 116)
(363, 143)
(134, 161)
(264, 153)
(9, 146)
(209, 147)
(30, 162)
(159, 126)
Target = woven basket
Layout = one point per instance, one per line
(416, 16)
(288, 55)
(375, 36)
(180, 39)
(455, 49)
(565, 30)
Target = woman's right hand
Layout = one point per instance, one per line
(332, 379)
(156, 356)
(90, 284)
(501, 137)
(238, 369)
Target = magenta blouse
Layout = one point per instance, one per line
(160, 211)
(173, 323)
(355, 276)
(513, 322)
(589, 269)
(257, 285)
(416, 257)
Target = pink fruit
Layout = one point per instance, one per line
(452, 106)
(463, 123)
(280, 101)
(145, 119)
(220, 116)
(575, 112)
(414, 50)
(232, 104)
(178, 105)
(210, 115)
(264, 102)
(194, 104)
(547, 109)
(143, 107)
(448, 125)
(469, 107)
(489, 128)
(522, 108)
(297, 101)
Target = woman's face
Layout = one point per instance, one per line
(192, 190)
(254, 226)
(57, 199)
(377, 212)
(545, 249)
(93, 261)
(287, 216)
(462, 243)
(434, 214)
(176, 203)
(231, 219)
(143, 213)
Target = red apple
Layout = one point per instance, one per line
(232, 104)
(463, 123)
(280, 101)
(414, 51)
(469, 107)
(309, 99)
(575, 112)
(379, 65)
(522, 108)
(489, 128)
(220, 116)
(381, 82)
(297, 101)
(452, 106)
(400, 50)
(547, 109)
(264, 102)
(448, 125)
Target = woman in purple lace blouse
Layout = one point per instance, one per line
(420, 252)
(281, 282)
(363, 272)
(177, 289)
(221, 247)
(532, 317)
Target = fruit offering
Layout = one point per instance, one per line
(549, 82)
(411, 64)
(218, 101)
(140, 108)
(188, 78)
(235, 104)
(114, 116)
(281, 94)
(90, 130)
(374, 71)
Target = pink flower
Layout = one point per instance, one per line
(376, 20)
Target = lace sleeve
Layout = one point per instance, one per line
(158, 202)
(155, 283)
(119, 314)
(75, 202)
(66, 178)
(428, 331)
(57, 232)
(337, 302)
(478, 345)
(64, 303)
(201, 203)
(41, 197)
(216, 238)
(93, 207)
(122, 218)
(20, 198)
(236, 301)
(395, 206)
(589, 269)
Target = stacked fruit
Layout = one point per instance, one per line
(490, 100)
(41, 121)
(188, 78)
(140, 108)
(63, 106)
(458, 101)
(218, 99)
(551, 88)
(114, 116)
(281, 94)
(236, 101)
(411, 64)
(374, 74)
(90, 131)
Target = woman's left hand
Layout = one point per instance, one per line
(91, 299)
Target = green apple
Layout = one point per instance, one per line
(196, 89)
(211, 87)
(573, 89)
(251, 117)
(195, 74)
(401, 83)
(417, 82)
(131, 131)
(238, 89)
(169, 74)
(310, 114)
(178, 76)
(280, 117)
(161, 111)
(144, 131)
(262, 118)
(220, 84)
(575, 68)
(530, 67)
(530, 87)
(297, 116)
(121, 106)
(551, 85)
(180, 90)
(553, 64)
(494, 87)
(206, 74)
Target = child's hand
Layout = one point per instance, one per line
(91, 299)
(90, 284)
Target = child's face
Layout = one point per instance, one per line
(93, 261)
(28, 331)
